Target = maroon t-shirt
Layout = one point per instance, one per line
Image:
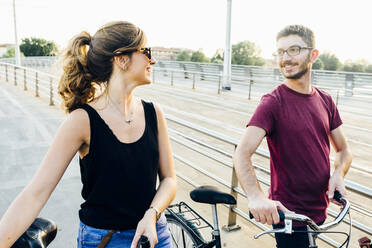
(297, 128)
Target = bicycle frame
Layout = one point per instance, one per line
(184, 209)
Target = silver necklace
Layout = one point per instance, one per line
(128, 121)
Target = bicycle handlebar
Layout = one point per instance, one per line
(143, 242)
(281, 215)
(303, 218)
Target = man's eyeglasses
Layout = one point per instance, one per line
(145, 50)
(292, 51)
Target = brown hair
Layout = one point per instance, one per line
(84, 68)
(305, 33)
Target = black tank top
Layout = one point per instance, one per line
(119, 179)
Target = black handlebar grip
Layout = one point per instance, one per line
(143, 242)
(281, 215)
(337, 196)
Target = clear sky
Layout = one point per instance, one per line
(343, 27)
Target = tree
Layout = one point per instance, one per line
(199, 56)
(38, 47)
(318, 65)
(218, 57)
(369, 68)
(10, 53)
(330, 61)
(246, 53)
(184, 56)
(357, 66)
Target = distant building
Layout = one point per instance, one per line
(163, 53)
(4, 48)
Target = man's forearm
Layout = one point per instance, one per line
(342, 161)
(246, 175)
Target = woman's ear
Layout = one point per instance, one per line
(122, 62)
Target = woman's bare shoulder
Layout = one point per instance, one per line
(78, 123)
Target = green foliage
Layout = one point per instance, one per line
(184, 56)
(246, 53)
(218, 57)
(199, 56)
(369, 68)
(357, 66)
(330, 61)
(38, 47)
(318, 65)
(10, 53)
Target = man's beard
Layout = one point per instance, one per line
(303, 69)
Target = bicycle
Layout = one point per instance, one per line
(43, 231)
(185, 223)
(313, 230)
(39, 235)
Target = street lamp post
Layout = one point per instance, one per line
(16, 46)
(226, 83)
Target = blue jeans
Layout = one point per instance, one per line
(90, 237)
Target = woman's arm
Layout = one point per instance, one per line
(28, 204)
(167, 187)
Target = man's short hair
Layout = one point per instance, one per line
(305, 33)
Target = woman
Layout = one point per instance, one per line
(122, 142)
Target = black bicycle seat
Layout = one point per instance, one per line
(39, 235)
(211, 195)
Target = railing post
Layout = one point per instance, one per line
(51, 103)
(24, 80)
(219, 84)
(337, 97)
(15, 75)
(231, 223)
(349, 84)
(37, 84)
(250, 88)
(6, 73)
(153, 76)
(171, 78)
(276, 74)
(193, 81)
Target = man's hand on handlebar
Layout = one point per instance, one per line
(265, 210)
(336, 183)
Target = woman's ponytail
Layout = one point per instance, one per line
(75, 85)
(85, 70)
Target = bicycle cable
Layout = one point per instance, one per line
(344, 233)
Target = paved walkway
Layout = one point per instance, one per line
(28, 124)
(27, 127)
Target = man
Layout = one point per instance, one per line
(298, 121)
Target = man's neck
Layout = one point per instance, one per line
(301, 85)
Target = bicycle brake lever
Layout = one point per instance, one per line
(286, 229)
(281, 230)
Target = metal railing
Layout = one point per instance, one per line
(44, 85)
(348, 83)
(351, 83)
(41, 83)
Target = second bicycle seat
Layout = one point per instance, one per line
(211, 195)
(39, 235)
